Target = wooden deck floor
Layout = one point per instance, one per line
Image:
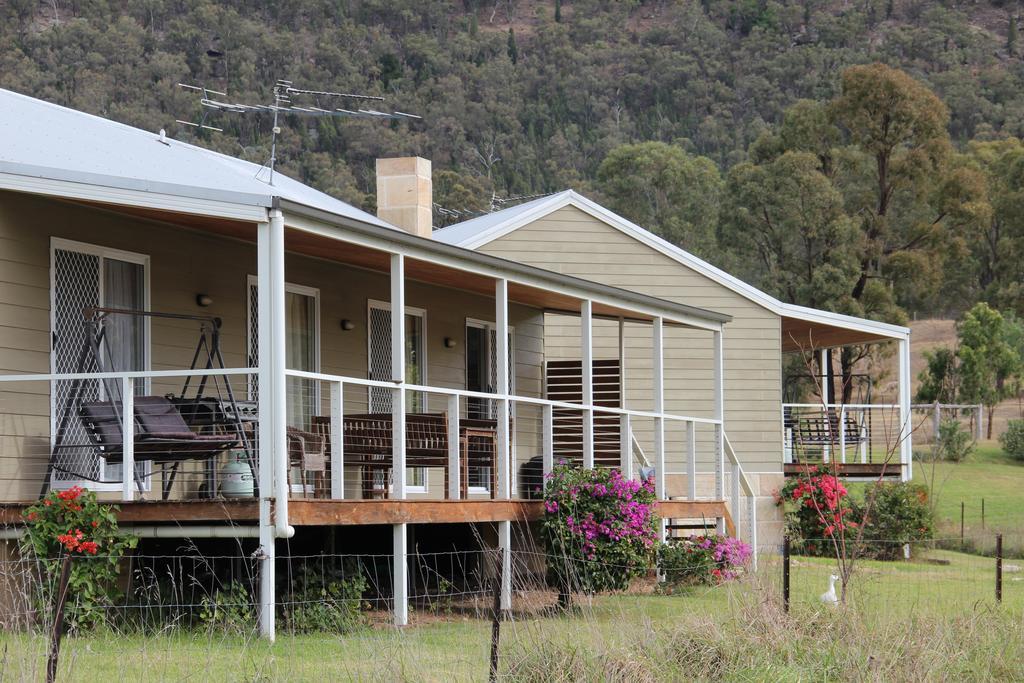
(870, 470)
(336, 513)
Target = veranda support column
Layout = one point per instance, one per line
(337, 453)
(825, 367)
(265, 434)
(658, 375)
(400, 568)
(502, 375)
(505, 543)
(906, 458)
(277, 396)
(400, 573)
(719, 406)
(587, 380)
(398, 397)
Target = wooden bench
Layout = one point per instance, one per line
(368, 443)
(819, 431)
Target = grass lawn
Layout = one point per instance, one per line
(732, 632)
(987, 474)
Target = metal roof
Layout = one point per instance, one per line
(477, 232)
(44, 140)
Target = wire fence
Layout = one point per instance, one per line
(190, 614)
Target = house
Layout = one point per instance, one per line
(227, 356)
(771, 433)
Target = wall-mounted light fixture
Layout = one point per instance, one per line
(204, 300)
(347, 324)
(449, 343)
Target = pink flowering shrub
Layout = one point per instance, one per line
(708, 559)
(818, 509)
(600, 529)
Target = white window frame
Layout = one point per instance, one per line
(289, 287)
(480, 324)
(101, 252)
(421, 313)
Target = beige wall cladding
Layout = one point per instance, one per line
(184, 263)
(573, 242)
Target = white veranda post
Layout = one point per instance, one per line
(906, 457)
(504, 437)
(718, 361)
(587, 380)
(400, 569)
(658, 375)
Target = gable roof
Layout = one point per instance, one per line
(43, 140)
(476, 232)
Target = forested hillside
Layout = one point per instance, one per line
(525, 97)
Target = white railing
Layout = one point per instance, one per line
(46, 429)
(742, 491)
(855, 432)
(455, 397)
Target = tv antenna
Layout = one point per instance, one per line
(323, 105)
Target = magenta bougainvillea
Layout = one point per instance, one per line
(600, 529)
(708, 559)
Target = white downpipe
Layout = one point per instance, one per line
(277, 370)
(587, 380)
(719, 406)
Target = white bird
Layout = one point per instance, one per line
(829, 597)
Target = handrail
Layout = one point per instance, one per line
(134, 374)
(751, 499)
(447, 391)
(638, 448)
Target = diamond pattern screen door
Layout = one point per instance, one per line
(85, 275)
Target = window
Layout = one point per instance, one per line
(83, 276)
(379, 355)
(482, 375)
(301, 349)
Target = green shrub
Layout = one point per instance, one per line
(705, 559)
(326, 600)
(899, 515)
(1012, 440)
(817, 510)
(229, 610)
(599, 529)
(954, 442)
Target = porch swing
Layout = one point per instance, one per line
(821, 430)
(200, 422)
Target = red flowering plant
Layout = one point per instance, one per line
(600, 529)
(818, 511)
(74, 522)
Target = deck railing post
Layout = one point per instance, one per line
(502, 376)
(548, 440)
(454, 449)
(736, 506)
(625, 447)
(842, 434)
(128, 439)
(398, 395)
(691, 460)
(337, 453)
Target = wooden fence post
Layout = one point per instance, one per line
(961, 522)
(58, 618)
(999, 568)
(785, 574)
(496, 617)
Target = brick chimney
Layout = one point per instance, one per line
(405, 194)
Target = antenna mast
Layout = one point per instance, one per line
(283, 93)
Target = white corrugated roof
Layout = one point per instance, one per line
(45, 140)
(477, 232)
